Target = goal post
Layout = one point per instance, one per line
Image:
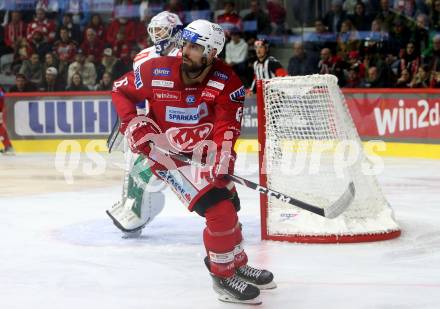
(310, 149)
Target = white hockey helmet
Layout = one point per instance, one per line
(205, 33)
(165, 28)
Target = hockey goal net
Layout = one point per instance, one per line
(310, 150)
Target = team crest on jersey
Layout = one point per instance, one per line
(215, 84)
(186, 139)
(162, 83)
(161, 72)
(166, 95)
(190, 99)
(238, 95)
(138, 78)
(221, 75)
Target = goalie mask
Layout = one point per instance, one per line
(209, 35)
(165, 29)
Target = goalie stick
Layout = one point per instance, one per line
(331, 211)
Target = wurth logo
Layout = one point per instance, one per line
(164, 95)
(402, 118)
(186, 139)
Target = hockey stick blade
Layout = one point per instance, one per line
(332, 211)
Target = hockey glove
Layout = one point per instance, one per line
(223, 166)
(140, 132)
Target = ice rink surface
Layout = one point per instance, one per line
(58, 249)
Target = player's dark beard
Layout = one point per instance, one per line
(194, 70)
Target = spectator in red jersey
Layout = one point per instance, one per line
(97, 25)
(15, 30)
(92, 45)
(65, 47)
(41, 23)
(122, 26)
(229, 19)
(4, 138)
(277, 14)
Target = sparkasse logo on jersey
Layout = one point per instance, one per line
(161, 72)
(166, 95)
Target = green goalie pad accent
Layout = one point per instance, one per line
(139, 177)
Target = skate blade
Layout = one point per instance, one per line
(229, 299)
(268, 286)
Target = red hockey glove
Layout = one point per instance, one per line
(223, 165)
(140, 131)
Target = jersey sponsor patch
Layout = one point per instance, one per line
(221, 75)
(215, 84)
(238, 95)
(209, 94)
(188, 35)
(191, 115)
(190, 99)
(186, 139)
(138, 78)
(161, 72)
(162, 83)
(166, 95)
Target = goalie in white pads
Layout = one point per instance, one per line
(140, 204)
(195, 107)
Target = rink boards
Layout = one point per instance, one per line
(408, 121)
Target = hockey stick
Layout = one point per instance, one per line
(331, 211)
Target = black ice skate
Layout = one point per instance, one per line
(234, 289)
(261, 278)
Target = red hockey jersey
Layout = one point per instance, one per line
(187, 115)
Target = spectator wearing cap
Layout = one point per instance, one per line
(76, 83)
(22, 84)
(15, 30)
(302, 63)
(266, 66)
(354, 60)
(352, 79)
(41, 23)
(258, 15)
(86, 69)
(334, 18)
(236, 53)
(107, 63)
(51, 82)
(32, 69)
(92, 45)
(229, 19)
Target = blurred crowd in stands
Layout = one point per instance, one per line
(80, 45)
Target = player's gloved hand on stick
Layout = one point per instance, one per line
(140, 132)
(217, 173)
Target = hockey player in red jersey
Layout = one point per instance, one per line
(195, 106)
(4, 138)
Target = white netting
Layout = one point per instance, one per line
(310, 142)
